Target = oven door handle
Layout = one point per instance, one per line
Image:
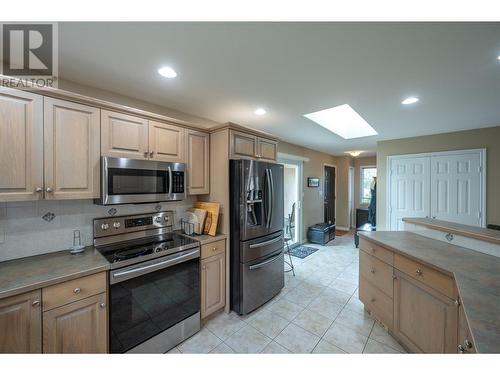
(119, 276)
(169, 181)
(262, 264)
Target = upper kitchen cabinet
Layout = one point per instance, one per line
(248, 146)
(198, 179)
(166, 142)
(71, 150)
(21, 145)
(124, 136)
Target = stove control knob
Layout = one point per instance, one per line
(158, 219)
(104, 226)
(116, 224)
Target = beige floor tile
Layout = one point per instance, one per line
(222, 348)
(224, 325)
(299, 297)
(297, 339)
(361, 322)
(325, 307)
(335, 296)
(286, 309)
(375, 347)
(344, 286)
(247, 340)
(203, 342)
(345, 338)
(274, 348)
(324, 347)
(174, 350)
(269, 323)
(313, 322)
(355, 303)
(380, 335)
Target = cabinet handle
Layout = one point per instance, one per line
(419, 272)
(467, 344)
(103, 305)
(394, 277)
(372, 249)
(214, 249)
(372, 270)
(151, 154)
(457, 302)
(461, 349)
(373, 299)
(35, 303)
(77, 290)
(146, 154)
(38, 189)
(48, 190)
(204, 267)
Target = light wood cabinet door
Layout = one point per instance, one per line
(267, 149)
(21, 324)
(424, 319)
(166, 142)
(124, 136)
(465, 341)
(198, 165)
(71, 150)
(79, 327)
(213, 284)
(21, 145)
(242, 145)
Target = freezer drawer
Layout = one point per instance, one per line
(261, 247)
(261, 280)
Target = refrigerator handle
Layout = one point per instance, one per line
(272, 196)
(268, 199)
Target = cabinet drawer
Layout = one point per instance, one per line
(428, 276)
(376, 272)
(73, 290)
(377, 251)
(376, 301)
(213, 248)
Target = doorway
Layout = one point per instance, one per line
(292, 196)
(351, 197)
(329, 191)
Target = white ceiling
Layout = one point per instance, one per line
(226, 70)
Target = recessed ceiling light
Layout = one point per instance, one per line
(167, 72)
(354, 153)
(498, 57)
(344, 121)
(410, 100)
(260, 111)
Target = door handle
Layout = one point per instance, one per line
(262, 264)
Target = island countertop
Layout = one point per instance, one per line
(30, 273)
(477, 276)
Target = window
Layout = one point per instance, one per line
(367, 174)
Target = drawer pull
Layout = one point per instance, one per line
(103, 305)
(457, 302)
(35, 303)
(214, 249)
(467, 344)
(372, 249)
(461, 349)
(419, 272)
(77, 290)
(373, 299)
(372, 270)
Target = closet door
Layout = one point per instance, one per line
(456, 188)
(410, 190)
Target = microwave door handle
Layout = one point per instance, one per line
(169, 181)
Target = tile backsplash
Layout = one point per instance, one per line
(23, 231)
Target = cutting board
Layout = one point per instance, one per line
(212, 216)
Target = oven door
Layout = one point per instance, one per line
(138, 181)
(150, 297)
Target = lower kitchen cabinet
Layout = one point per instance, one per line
(21, 323)
(78, 327)
(465, 341)
(424, 319)
(213, 283)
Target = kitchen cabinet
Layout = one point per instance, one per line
(198, 163)
(71, 150)
(21, 145)
(124, 136)
(465, 341)
(213, 278)
(248, 146)
(78, 327)
(166, 142)
(425, 320)
(21, 323)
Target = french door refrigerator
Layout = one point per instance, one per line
(256, 222)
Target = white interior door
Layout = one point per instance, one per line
(456, 188)
(409, 190)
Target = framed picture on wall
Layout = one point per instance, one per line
(312, 182)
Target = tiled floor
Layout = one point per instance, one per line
(318, 311)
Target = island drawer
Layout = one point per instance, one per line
(376, 302)
(377, 251)
(213, 248)
(73, 290)
(427, 275)
(377, 272)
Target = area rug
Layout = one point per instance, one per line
(302, 251)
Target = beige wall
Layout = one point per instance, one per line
(358, 163)
(488, 138)
(312, 203)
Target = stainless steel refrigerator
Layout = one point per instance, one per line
(256, 217)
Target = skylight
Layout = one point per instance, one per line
(344, 121)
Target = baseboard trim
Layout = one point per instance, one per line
(343, 228)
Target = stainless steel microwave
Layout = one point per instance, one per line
(126, 180)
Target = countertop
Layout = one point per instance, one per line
(477, 276)
(482, 234)
(205, 238)
(30, 273)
